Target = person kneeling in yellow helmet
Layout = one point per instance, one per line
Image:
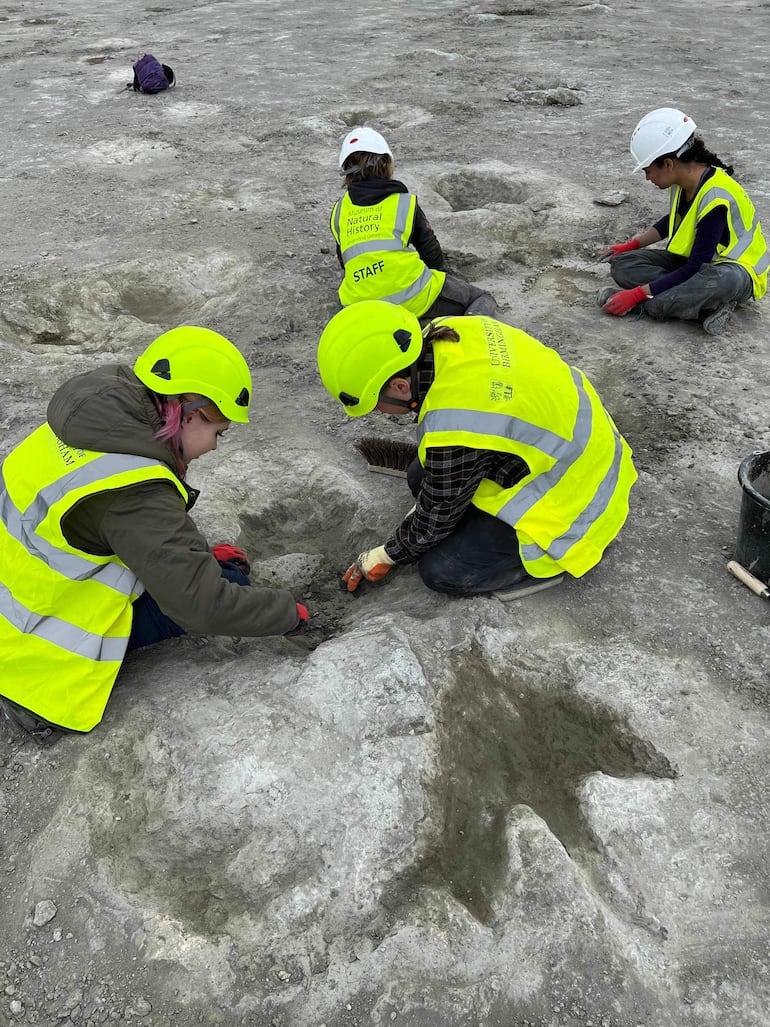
(521, 475)
(98, 554)
(716, 256)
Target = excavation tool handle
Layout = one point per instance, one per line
(748, 579)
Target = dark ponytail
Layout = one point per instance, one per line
(696, 153)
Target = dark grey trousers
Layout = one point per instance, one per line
(459, 297)
(480, 556)
(714, 286)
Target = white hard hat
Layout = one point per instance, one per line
(665, 130)
(365, 140)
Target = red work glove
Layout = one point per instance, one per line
(624, 300)
(231, 554)
(373, 566)
(304, 620)
(619, 247)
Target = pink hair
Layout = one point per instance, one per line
(170, 410)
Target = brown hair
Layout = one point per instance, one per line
(367, 165)
(439, 333)
(211, 412)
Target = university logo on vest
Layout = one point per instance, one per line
(498, 350)
(69, 455)
(500, 392)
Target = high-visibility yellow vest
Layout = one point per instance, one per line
(379, 263)
(500, 389)
(746, 245)
(65, 615)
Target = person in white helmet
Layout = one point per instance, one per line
(715, 257)
(385, 244)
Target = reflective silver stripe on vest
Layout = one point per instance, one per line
(478, 422)
(60, 633)
(566, 452)
(413, 290)
(23, 525)
(744, 237)
(580, 526)
(377, 245)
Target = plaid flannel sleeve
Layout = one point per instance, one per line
(451, 476)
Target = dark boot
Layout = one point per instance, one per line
(41, 731)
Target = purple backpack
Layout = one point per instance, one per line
(150, 76)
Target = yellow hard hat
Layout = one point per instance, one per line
(190, 359)
(362, 347)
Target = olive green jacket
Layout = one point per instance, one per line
(109, 410)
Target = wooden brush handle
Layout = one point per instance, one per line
(748, 579)
(387, 470)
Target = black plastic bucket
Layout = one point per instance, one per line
(753, 549)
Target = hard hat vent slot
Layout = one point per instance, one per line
(162, 369)
(403, 339)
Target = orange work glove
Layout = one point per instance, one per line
(373, 566)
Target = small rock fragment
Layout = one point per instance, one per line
(613, 199)
(45, 911)
(139, 1007)
(562, 97)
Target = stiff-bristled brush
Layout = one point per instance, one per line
(386, 456)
